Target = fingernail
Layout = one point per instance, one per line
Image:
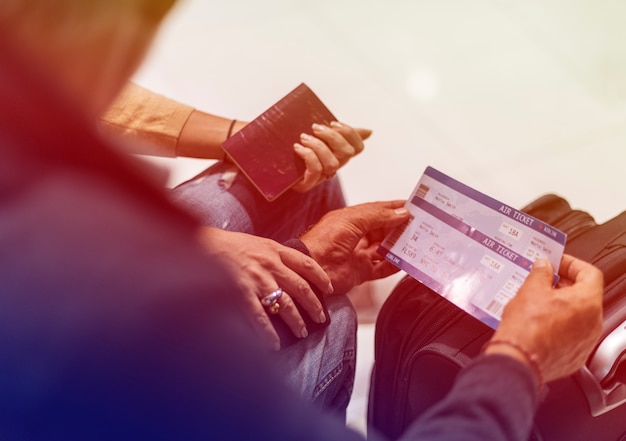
(277, 346)
(540, 263)
(298, 147)
(304, 333)
(318, 127)
(305, 137)
(331, 288)
(401, 211)
(336, 125)
(322, 317)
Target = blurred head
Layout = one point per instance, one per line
(89, 47)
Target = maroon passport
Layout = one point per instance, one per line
(263, 149)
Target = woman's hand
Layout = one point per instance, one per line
(260, 266)
(326, 150)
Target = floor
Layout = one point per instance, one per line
(516, 99)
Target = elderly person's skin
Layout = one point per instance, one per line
(559, 325)
(349, 258)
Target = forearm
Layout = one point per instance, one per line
(494, 398)
(144, 122)
(203, 134)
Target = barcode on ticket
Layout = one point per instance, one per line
(422, 190)
(495, 308)
(395, 235)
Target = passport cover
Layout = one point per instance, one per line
(263, 149)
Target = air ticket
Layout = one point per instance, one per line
(468, 247)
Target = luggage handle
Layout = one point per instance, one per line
(599, 378)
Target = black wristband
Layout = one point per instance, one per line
(230, 128)
(297, 244)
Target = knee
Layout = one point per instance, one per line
(343, 316)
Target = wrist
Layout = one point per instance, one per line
(203, 134)
(516, 351)
(298, 245)
(310, 243)
(233, 127)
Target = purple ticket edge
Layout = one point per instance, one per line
(542, 227)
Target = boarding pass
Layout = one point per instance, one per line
(468, 247)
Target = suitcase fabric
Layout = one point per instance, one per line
(422, 340)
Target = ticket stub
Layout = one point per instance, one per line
(468, 247)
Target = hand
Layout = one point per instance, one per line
(559, 325)
(260, 266)
(327, 150)
(345, 242)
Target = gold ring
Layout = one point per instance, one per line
(273, 309)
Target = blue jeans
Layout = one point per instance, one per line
(321, 366)
(238, 206)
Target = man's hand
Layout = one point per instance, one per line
(260, 266)
(561, 325)
(344, 242)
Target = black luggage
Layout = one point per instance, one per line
(422, 340)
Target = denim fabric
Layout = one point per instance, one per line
(321, 367)
(238, 206)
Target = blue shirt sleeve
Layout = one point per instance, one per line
(493, 398)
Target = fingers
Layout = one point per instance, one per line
(540, 278)
(376, 267)
(382, 269)
(286, 310)
(290, 275)
(297, 267)
(341, 230)
(344, 241)
(327, 161)
(260, 266)
(284, 307)
(581, 272)
(344, 141)
(259, 318)
(378, 215)
(558, 325)
(313, 173)
(364, 134)
(326, 150)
